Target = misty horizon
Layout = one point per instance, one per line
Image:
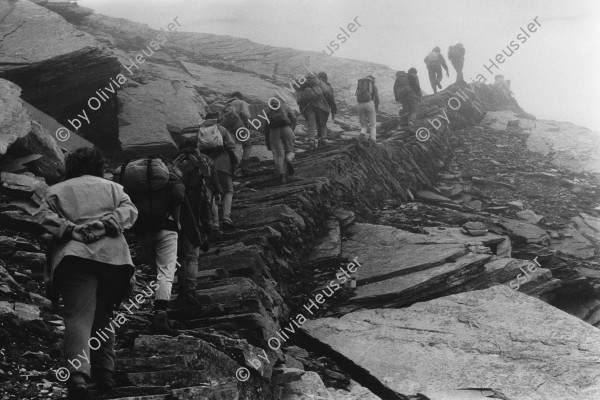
(542, 71)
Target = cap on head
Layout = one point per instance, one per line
(322, 76)
(371, 77)
(237, 94)
(412, 70)
(437, 50)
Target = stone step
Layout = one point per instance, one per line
(176, 377)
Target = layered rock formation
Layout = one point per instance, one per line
(449, 240)
(494, 338)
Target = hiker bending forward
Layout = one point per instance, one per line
(90, 263)
(282, 123)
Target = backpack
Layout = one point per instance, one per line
(209, 137)
(279, 118)
(401, 86)
(146, 181)
(195, 180)
(228, 117)
(432, 59)
(364, 90)
(455, 52)
(310, 94)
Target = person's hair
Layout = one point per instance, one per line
(238, 95)
(322, 76)
(412, 70)
(437, 49)
(371, 77)
(84, 161)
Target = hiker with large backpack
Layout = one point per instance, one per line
(236, 115)
(407, 91)
(367, 96)
(89, 266)
(456, 55)
(200, 179)
(216, 142)
(328, 93)
(158, 195)
(435, 61)
(314, 106)
(282, 122)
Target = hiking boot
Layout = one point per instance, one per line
(323, 142)
(160, 324)
(289, 167)
(283, 179)
(77, 387)
(312, 144)
(104, 380)
(228, 223)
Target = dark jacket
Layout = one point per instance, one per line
(375, 97)
(321, 103)
(440, 61)
(413, 81)
(288, 111)
(330, 97)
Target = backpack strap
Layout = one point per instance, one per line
(148, 177)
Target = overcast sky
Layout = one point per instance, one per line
(555, 74)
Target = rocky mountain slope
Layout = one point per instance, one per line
(470, 251)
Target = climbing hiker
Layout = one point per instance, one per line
(158, 195)
(313, 101)
(456, 55)
(329, 95)
(90, 264)
(216, 142)
(236, 115)
(282, 122)
(435, 61)
(368, 104)
(407, 91)
(200, 178)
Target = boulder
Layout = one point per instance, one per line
(51, 126)
(530, 216)
(51, 165)
(50, 59)
(524, 232)
(14, 121)
(494, 338)
(146, 110)
(574, 244)
(23, 186)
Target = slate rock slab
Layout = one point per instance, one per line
(493, 338)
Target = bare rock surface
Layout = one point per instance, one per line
(393, 252)
(58, 62)
(493, 338)
(14, 121)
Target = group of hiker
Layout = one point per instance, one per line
(435, 61)
(173, 206)
(407, 89)
(170, 207)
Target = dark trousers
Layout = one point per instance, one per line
(435, 77)
(316, 119)
(458, 66)
(410, 104)
(89, 291)
(246, 144)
